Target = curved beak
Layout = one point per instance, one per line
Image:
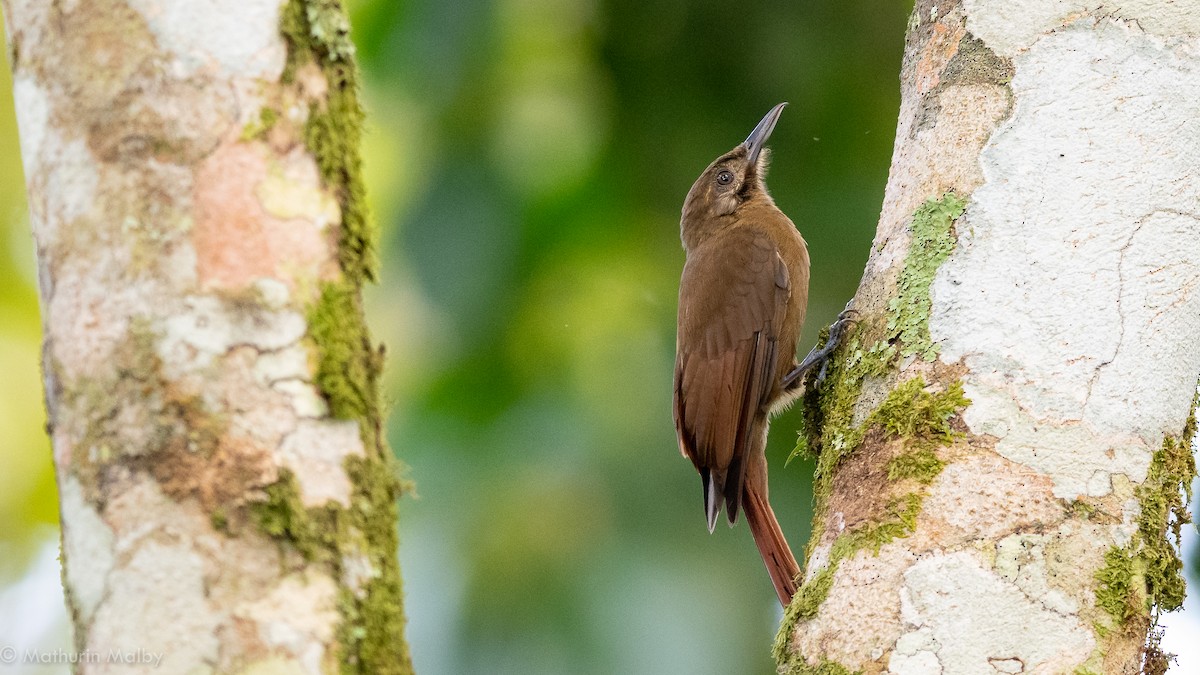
(758, 138)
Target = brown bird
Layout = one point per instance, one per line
(742, 300)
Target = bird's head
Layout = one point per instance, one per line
(733, 179)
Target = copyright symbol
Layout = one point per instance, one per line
(8, 654)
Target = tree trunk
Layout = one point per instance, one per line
(227, 499)
(1003, 446)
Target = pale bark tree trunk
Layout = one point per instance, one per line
(1003, 447)
(227, 499)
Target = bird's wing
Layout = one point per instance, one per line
(733, 298)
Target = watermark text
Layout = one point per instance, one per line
(10, 655)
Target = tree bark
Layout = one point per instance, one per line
(1003, 447)
(226, 495)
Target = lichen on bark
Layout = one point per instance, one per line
(212, 387)
(932, 242)
(371, 633)
(911, 414)
(830, 430)
(834, 426)
(1061, 501)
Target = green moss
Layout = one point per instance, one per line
(912, 412)
(1164, 498)
(927, 428)
(347, 365)
(371, 633)
(1146, 576)
(220, 519)
(921, 465)
(918, 417)
(829, 430)
(332, 135)
(312, 532)
(900, 521)
(374, 627)
(257, 129)
(909, 412)
(1118, 582)
(800, 667)
(318, 32)
(804, 606)
(1081, 509)
(932, 242)
(282, 514)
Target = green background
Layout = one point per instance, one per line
(526, 161)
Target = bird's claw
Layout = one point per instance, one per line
(820, 355)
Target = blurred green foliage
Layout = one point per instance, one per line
(28, 504)
(526, 161)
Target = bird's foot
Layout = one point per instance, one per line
(819, 356)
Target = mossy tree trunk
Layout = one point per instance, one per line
(227, 499)
(1003, 445)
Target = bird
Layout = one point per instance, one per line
(743, 295)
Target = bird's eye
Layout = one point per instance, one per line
(724, 177)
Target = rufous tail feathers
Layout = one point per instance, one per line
(773, 548)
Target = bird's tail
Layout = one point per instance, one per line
(773, 548)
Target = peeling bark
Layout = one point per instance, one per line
(227, 501)
(1035, 273)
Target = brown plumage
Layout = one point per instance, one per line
(742, 300)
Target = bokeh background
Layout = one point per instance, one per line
(526, 161)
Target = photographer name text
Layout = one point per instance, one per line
(11, 655)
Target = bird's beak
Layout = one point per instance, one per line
(758, 138)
